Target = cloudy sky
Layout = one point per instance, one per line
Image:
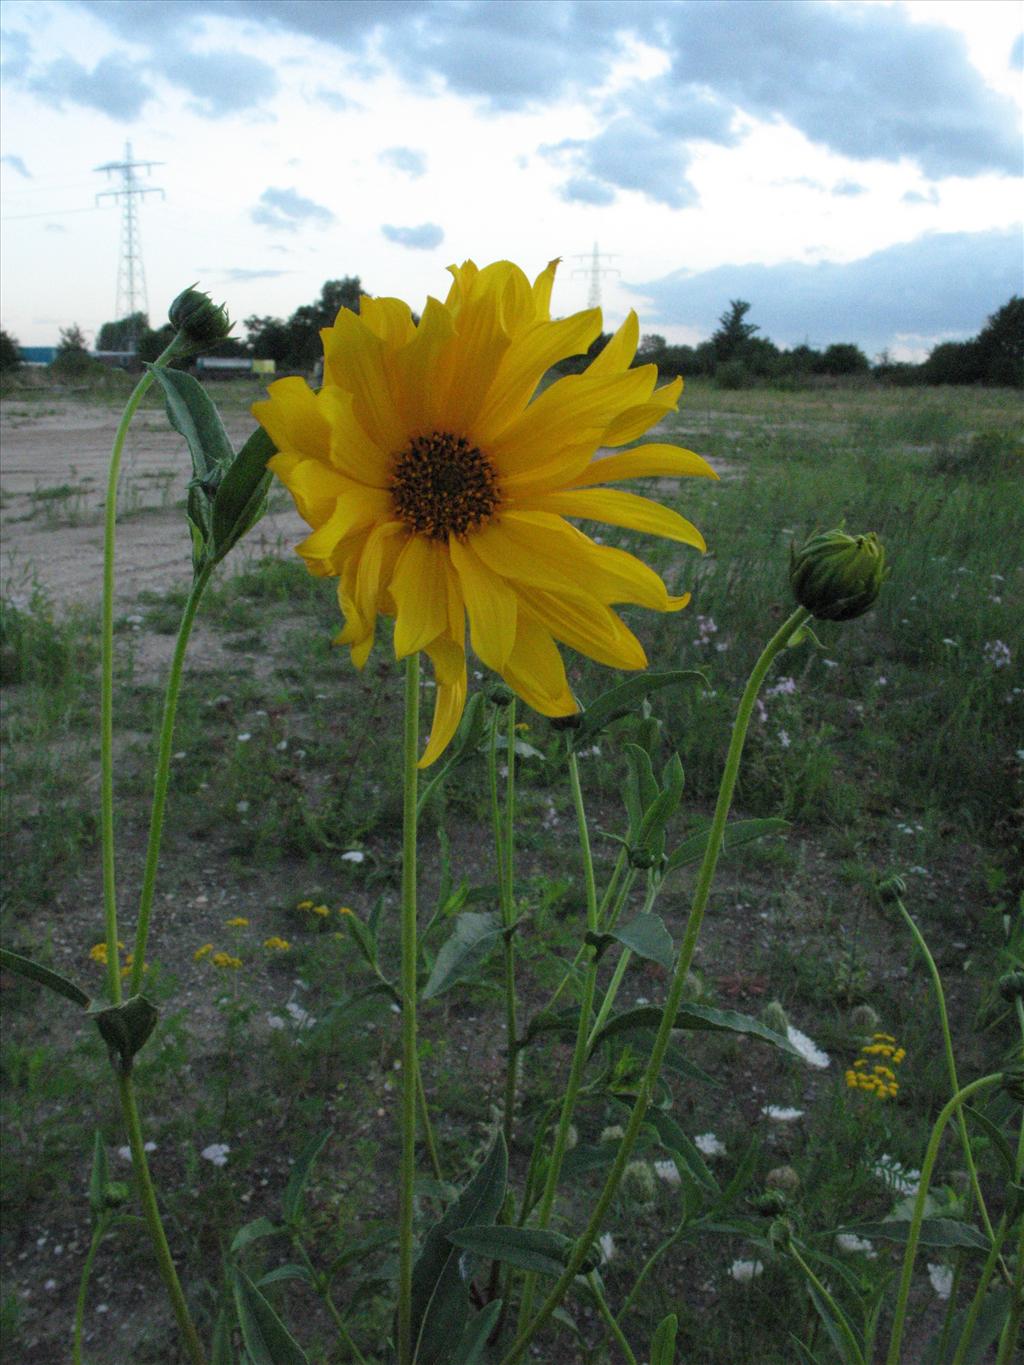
(852, 169)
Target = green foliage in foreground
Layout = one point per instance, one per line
(898, 752)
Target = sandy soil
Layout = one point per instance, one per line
(53, 470)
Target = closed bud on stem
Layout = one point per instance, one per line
(642, 858)
(115, 1194)
(201, 321)
(780, 1234)
(892, 888)
(837, 577)
(499, 695)
(638, 1182)
(771, 1203)
(864, 1020)
(783, 1178)
(1011, 986)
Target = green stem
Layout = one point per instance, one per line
(777, 643)
(615, 898)
(579, 1055)
(428, 1130)
(620, 969)
(653, 1260)
(332, 1307)
(107, 673)
(979, 1296)
(856, 1354)
(151, 1215)
(162, 776)
(914, 1232)
(410, 1058)
(99, 1232)
(947, 1039)
(504, 832)
(609, 1319)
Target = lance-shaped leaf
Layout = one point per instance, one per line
(266, 1338)
(663, 1345)
(646, 936)
(191, 412)
(623, 699)
(651, 833)
(935, 1232)
(674, 1140)
(697, 1017)
(474, 1340)
(528, 1248)
(740, 832)
(291, 1201)
(468, 948)
(253, 1232)
(35, 971)
(240, 499)
(125, 1029)
(440, 1297)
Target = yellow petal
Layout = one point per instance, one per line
(315, 486)
(389, 319)
(421, 370)
(620, 509)
(376, 564)
(526, 362)
(651, 461)
(619, 352)
(351, 450)
(355, 360)
(633, 422)
(420, 592)
(542, 287)
(586, 626)
(490, 603)
(356, 507)
(291, 418)
(566, 414)
(450, 670)
(535, 670)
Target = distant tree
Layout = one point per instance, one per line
(843, 358)
(123, 335)
(295, 344)
(733, 333)
(72, 358)
(10, 353)
(1000, 345)
(651, 347)
(576, 364)
(953, 362)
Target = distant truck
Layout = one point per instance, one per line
(230, 366)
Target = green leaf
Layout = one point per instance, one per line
(674, 1140)
(365, 939)
(440, 1299)
(240, 500)
(651, 833)
(663, 1344)
(648, 938)
(806, 1356)
(266, 1337)
(253, 1232)
(697, 1017)
(461, 955)
(291, 1202)
(98, 1176)
(935, 1232)
(738, 833)
(35, 971)
(191, 412)
(125, 1028)
(470, 1350)
(994, 1136)
(621, 700)
(682, 1066)
(838, 1327)
(290, 1271)
(528, 1248)
(220, 1349)
(990, 1322)
(358, 1250)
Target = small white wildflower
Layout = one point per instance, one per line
(830, 663)
(668, 1171)
(808, 1050)
(103, 1308)
(302, 1018)
(606, 1242)
(784, 740)
(244, 737)
(353, 856)
(852, 1244)
(881, 682)
(997, 654)
(50, 1284)
(709, 1145)
(942, 1280)
(275, 1021)
(785, 687)
(216, 1153)
(947, 641)
(745, 1271)
(241, 807)
(779, 1113)
(281, 746)
(894, 1174)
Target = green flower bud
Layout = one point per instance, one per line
(642, 858)
(115, 1194)
(1013, 1082)
(613, 1133)
(783, 1178)
(638, 1182)
(499, 695)
(771, 1203)
(891, 889)
(780, 1234)
(773, 1016)
(836, 576)
(1011, 986)
(202, 321)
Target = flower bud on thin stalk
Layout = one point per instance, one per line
(200, 322)
(837, 577)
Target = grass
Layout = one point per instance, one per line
(895, 744)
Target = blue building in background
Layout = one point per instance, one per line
(38, 355)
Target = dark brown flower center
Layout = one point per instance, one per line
(441, 486)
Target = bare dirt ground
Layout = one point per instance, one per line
(53, 473)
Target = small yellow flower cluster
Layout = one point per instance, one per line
(200, 953)
(278, 945)
(98, 953)
(237, 922)
(873, 1070)
(225, 960)
(321, 911)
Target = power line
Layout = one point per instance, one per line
(595, 271)
(131, 277)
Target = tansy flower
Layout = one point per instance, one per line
(226, 960)
(201, 952)
(280, 945)
(345, 910)
(237, 922)
(304, 905)
(437, 489)
(322, 910)
(98, 952)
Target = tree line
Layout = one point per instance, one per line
(734, 356)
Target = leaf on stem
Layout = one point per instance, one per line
(35, 971)
(461, 955)
(528, 1248)
(736, 834)
(621, 701)
(266, 1338)
(291, 1201)
(125, 1029)
(699, 1018)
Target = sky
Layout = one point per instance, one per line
(851, 169)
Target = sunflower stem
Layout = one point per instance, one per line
(775, 645)
(410, 1059)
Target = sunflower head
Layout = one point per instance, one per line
(439, 483)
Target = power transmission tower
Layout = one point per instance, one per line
(131, 276)
(595, 270)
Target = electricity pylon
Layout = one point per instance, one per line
(131, 276)
(595, 270)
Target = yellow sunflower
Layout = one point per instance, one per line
(438, 485)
